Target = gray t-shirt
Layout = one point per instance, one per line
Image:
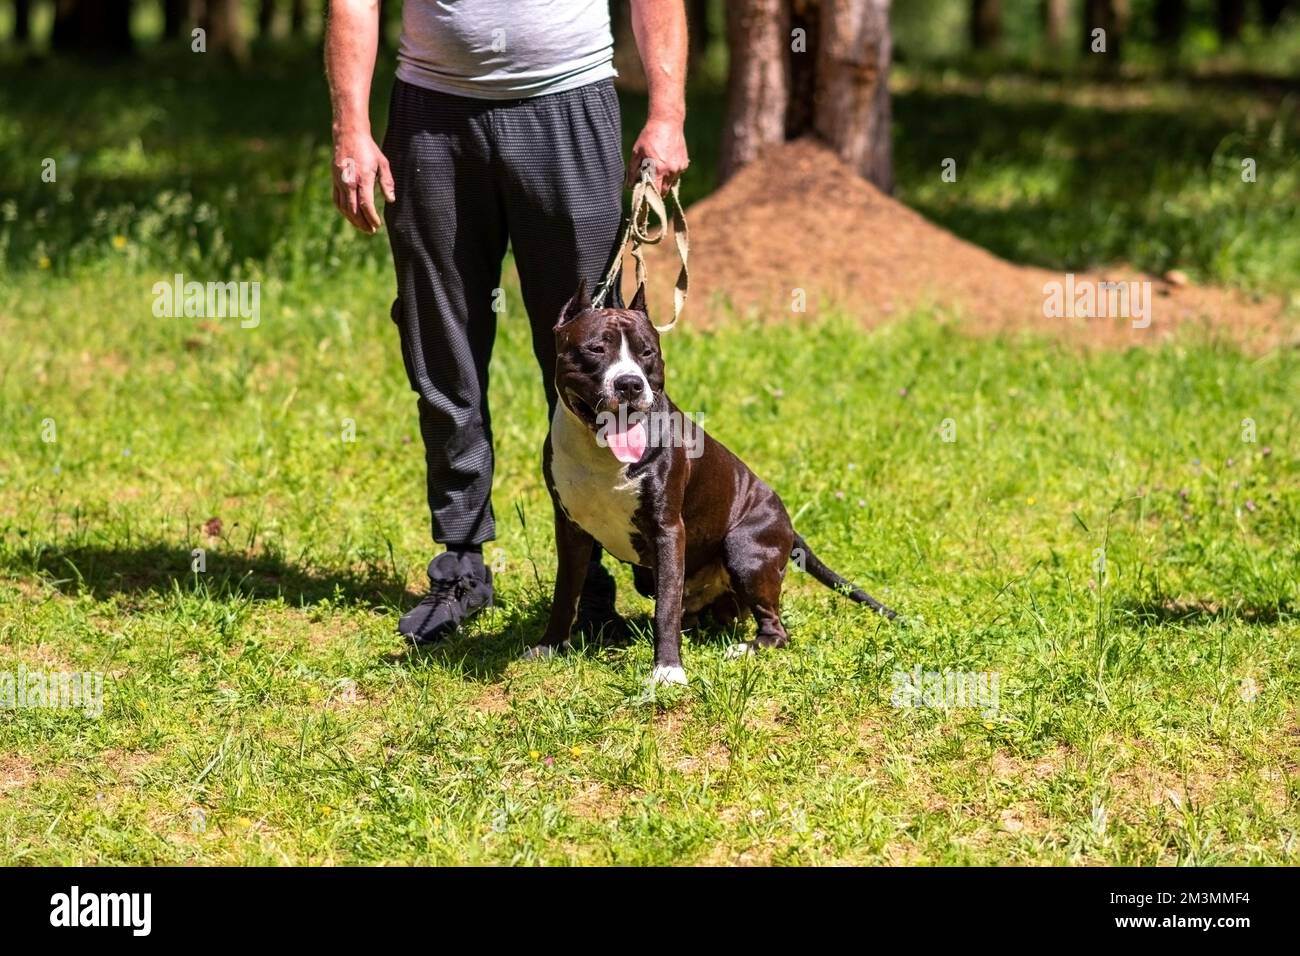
(505, 49)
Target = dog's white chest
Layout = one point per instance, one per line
(593, 486)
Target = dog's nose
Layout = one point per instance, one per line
(628, 388)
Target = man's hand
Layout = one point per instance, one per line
(660, 30)
(357, 163)
(351, 39)
(665, 142)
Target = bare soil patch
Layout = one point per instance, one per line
(800, 219)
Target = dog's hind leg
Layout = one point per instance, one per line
(755, 555)
(764, 604)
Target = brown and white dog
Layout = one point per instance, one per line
(626, 468)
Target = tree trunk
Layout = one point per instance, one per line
(297, 17)
(22, 21)
(1230, 17)
(384, 9)
(1270, 11)
(225, 33)
(174, 13)
(985, 24)
(758, 90)
(97, 27)
(1055, 13)
(1110, 16)
(1171, 21)
(852, 109)
(265, 18)
(697, 18)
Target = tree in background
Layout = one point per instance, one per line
(1270, 11)
(94, 27)
(1229, 18)
(701, 32)
(1171, 21)
(985, 24)
(851, 105)
(175, 13)
(103, 28)
(1055, 13)
(1112, 16)
(22, 21)
(221, 21)
(758, 81)
(265, 18)
(818, 67)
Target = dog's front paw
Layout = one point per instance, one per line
(662, 675)
(541, 652)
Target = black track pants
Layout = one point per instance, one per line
(545, 175)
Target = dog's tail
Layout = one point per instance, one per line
(803, 556)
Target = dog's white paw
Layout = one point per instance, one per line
(668, 675)
(542, 652)
(739, 650)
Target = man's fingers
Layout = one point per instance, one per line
(347, 185)
(366, 201)
(345, 201)
(386, 180)
(355, 215)
(666, 173)
(354, 190)
(665, 176)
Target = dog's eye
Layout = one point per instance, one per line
(647, 353)
(594, 349)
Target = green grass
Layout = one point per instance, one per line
(1070, 175)
(263, 711)
(271, 693)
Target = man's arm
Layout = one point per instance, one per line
(351, 40)
(660, 30)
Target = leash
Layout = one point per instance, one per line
(637, 232)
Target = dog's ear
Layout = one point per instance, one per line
(577, 305)
(638, 301)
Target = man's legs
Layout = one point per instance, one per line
(562, 185)
(448, 235)
(562, 195)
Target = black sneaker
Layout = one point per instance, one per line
(460, 586)
(597, 620)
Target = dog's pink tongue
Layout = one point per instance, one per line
(627, 446)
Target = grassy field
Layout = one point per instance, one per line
(1100, 535)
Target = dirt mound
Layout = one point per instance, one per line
(800, 219)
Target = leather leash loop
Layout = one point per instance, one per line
(639, 232)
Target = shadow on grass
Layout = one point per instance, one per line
(481, 653)
(159, 569)
(486, 648)
(1205, 612)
